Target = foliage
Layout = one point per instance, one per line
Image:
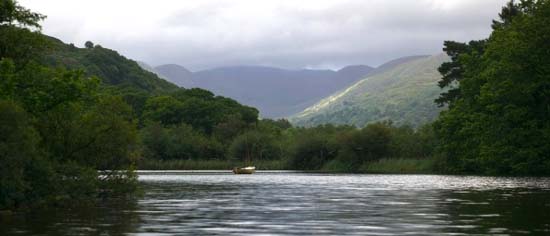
(312, 148)
(198, 164)
(348, 149)
(453, 71)
(18, 149)
(89, 45)
(198, 108)
(75, 122)
(57, 129)
(499, 124)
(254, 145)
(401, 166)
(367, 144)
(12, 13)
(112, 68)
(179, 142)
(79, 132)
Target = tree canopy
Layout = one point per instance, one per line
(11, 13)
(498, 121)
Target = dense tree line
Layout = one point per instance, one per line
(74, 122)
(498, 120)
(57, 128)
(346, 148)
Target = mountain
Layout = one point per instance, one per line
(151, 69)
(111, 67)
(404, 92)
(176, 74)
(275, 92)
(395, 62)
(350, 73)
(146, 67)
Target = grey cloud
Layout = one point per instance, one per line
(352, 32)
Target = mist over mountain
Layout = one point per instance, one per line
(176, 74)
(274, 91)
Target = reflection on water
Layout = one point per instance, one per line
(290, 203)
(110, 218)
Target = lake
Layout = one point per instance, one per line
(294, 203)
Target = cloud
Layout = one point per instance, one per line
(291, 34)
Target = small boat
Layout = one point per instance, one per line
(244, 170)
(249, 168)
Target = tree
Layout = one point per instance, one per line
(179, 142)
(253, 146)
(453, 71)
(500, 124)
(106, 135)
(164, 109)
(312, 148)
(368, 144)
(18, 148)
(69, 132)
(89, 45)
(12, 13)
(232, 126)
(17, 42)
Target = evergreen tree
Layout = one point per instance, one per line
(500, 122)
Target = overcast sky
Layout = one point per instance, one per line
(289, 34)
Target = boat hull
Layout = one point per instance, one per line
(244, 170)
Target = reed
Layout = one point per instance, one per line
(400, 166)
(148, 164)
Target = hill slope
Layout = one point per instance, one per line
(403, 93)
(176, 74)
(109, 65)
(276, 92)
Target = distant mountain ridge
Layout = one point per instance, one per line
(274, 91)
(404, 92)
(170, 71)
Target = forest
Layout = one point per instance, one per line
(76, 123)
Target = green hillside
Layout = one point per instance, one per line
(106, 64)
(404, 95)
(76, 121)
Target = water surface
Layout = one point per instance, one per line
(293, 203)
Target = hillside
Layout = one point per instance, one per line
(403, 94)
(275, 92)
(176, 74)
(111, 67)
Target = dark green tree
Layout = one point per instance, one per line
(67, 130)
(499, 124)
(89, 45)
(254, 146)
(11, 13)
(19, 147)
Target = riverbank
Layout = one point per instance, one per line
(206, 165)
(383, 166)
(400, 166)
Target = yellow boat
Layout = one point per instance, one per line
(244, 170)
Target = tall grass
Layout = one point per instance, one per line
(150, 164)
(383, 166)
(400, 166)
(337, 166)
